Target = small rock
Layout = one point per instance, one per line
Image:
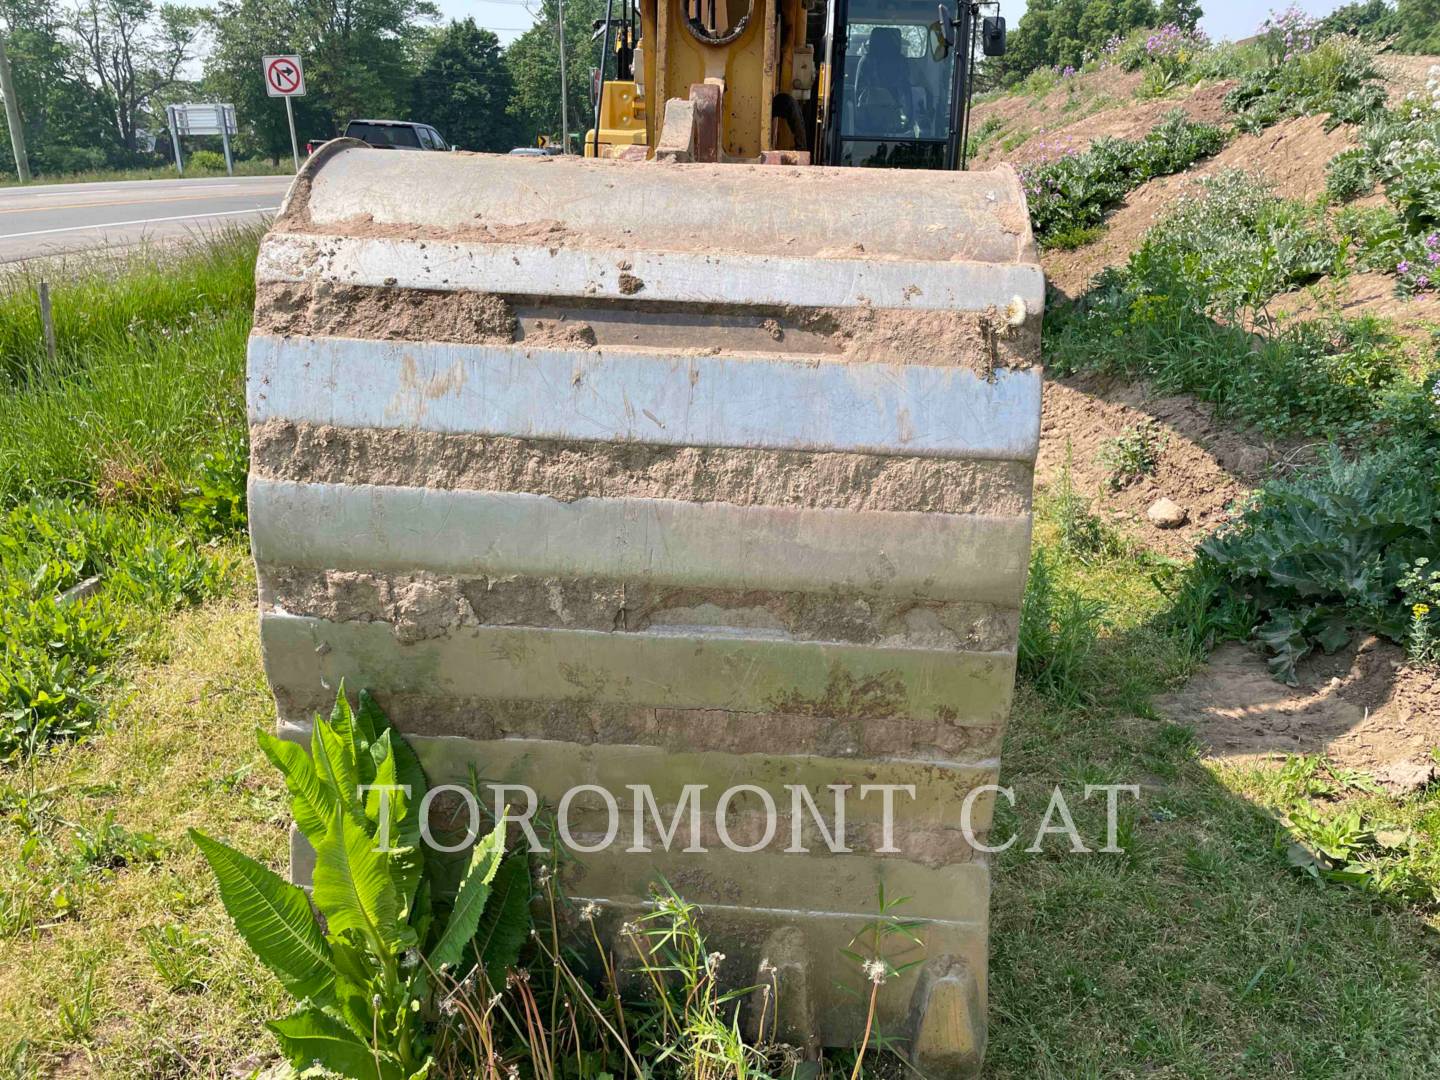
(1249, 460)
(1167, 514)
(1403, 777)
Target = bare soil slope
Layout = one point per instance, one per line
(1363, 707)
(1291, 155)
(1203, 466)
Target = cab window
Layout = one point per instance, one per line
(897, 72)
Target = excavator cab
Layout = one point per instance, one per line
(892, 87)
(899, 85)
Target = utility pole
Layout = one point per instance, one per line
(564, 87)
(12, 115)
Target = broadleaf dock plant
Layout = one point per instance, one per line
(369, 972)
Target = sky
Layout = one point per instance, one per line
(1223, 18)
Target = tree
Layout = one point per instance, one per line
(1185, 14)
(359, 60)
(464, 88)
(64, 116)
(1373, 20)
(135, 52)
(1059, 33)
(1417, 23)
(534, 62)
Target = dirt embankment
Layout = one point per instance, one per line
(1413, 319)
(1202, 465)
(1291, 155)
(1363, 708)
(1082, 109)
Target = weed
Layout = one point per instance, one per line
(1326, 552)
(217, 501)
(1349, 175)
(1015, 140)
(1420, 596)
(1059, 631)
(1175, 315)
(177, 956)
(16, 1063)
(367, 981)
(1234, 244)
(988, 130)
(1040, 82)
(1203, 610)
(1081, 533)
(877, 963)
(1359, 843)
(110, 846)
(1338, 77)
(1074, 190)
(1159, 82)
(77, 1014)
(56, 647)
(1131, 455)
(1074, 237)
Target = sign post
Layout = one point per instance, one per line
(201, 119)
(285, 78)
(174, 139)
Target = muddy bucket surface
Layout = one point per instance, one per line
(702, 490)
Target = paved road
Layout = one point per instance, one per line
(52, 219)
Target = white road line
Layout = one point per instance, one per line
(206, 184)
(138, 221)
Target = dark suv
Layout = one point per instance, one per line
(391, 135)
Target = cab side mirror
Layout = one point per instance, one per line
(992, 35)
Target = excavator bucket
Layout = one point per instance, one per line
(682, 494)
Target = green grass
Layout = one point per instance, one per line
(155, 172)
(149, 366)
(1198, 952)
(109, 470)
(180, 751)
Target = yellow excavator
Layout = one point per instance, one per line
(685, 482)
(852, 82)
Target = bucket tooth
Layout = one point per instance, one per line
(782, 1009)
(949, 1011)
(682, 476)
